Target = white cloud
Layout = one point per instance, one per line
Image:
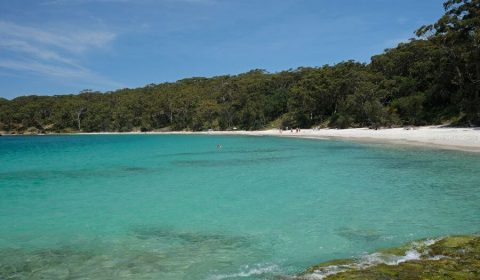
(43, 68)
(27, 48)
(83, 75)
(73, 41)
(52, 53)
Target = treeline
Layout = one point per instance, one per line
(433, 79)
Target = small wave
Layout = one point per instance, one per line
(417, 251)
(247, 271)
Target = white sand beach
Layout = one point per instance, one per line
(467, 139)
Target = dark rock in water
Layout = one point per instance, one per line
(367, 235)
(40, 264)
(229, 162)
(134, 169)
(66, 263)
(193, 238)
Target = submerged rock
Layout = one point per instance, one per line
(353, 234)
(456, 257)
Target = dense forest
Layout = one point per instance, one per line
(432, 79)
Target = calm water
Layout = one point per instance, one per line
(175, 207)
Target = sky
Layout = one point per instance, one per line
(50, 47)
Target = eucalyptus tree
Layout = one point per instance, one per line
(458, 32)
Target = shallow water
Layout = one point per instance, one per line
(176, 207)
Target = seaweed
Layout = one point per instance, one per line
(455, 257)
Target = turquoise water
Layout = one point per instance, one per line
(176, 207)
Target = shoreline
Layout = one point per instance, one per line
(464, 139)
(450, 257)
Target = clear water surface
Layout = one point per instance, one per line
(176, 207)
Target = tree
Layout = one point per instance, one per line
(458, 31)
(429, 80)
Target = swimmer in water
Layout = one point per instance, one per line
(219, 146)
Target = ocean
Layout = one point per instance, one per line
(219, 207)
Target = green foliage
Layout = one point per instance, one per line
(425, 81)
(458, 33)
(410, 108)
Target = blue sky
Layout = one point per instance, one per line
(65, 46)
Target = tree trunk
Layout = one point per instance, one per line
(79, 121)
(79, 117)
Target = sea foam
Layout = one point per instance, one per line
(248, 271)
(417, 251)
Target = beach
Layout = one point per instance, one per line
(453, 138)
(441, 137)
(466, 139)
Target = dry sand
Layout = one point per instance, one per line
(467, 139)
